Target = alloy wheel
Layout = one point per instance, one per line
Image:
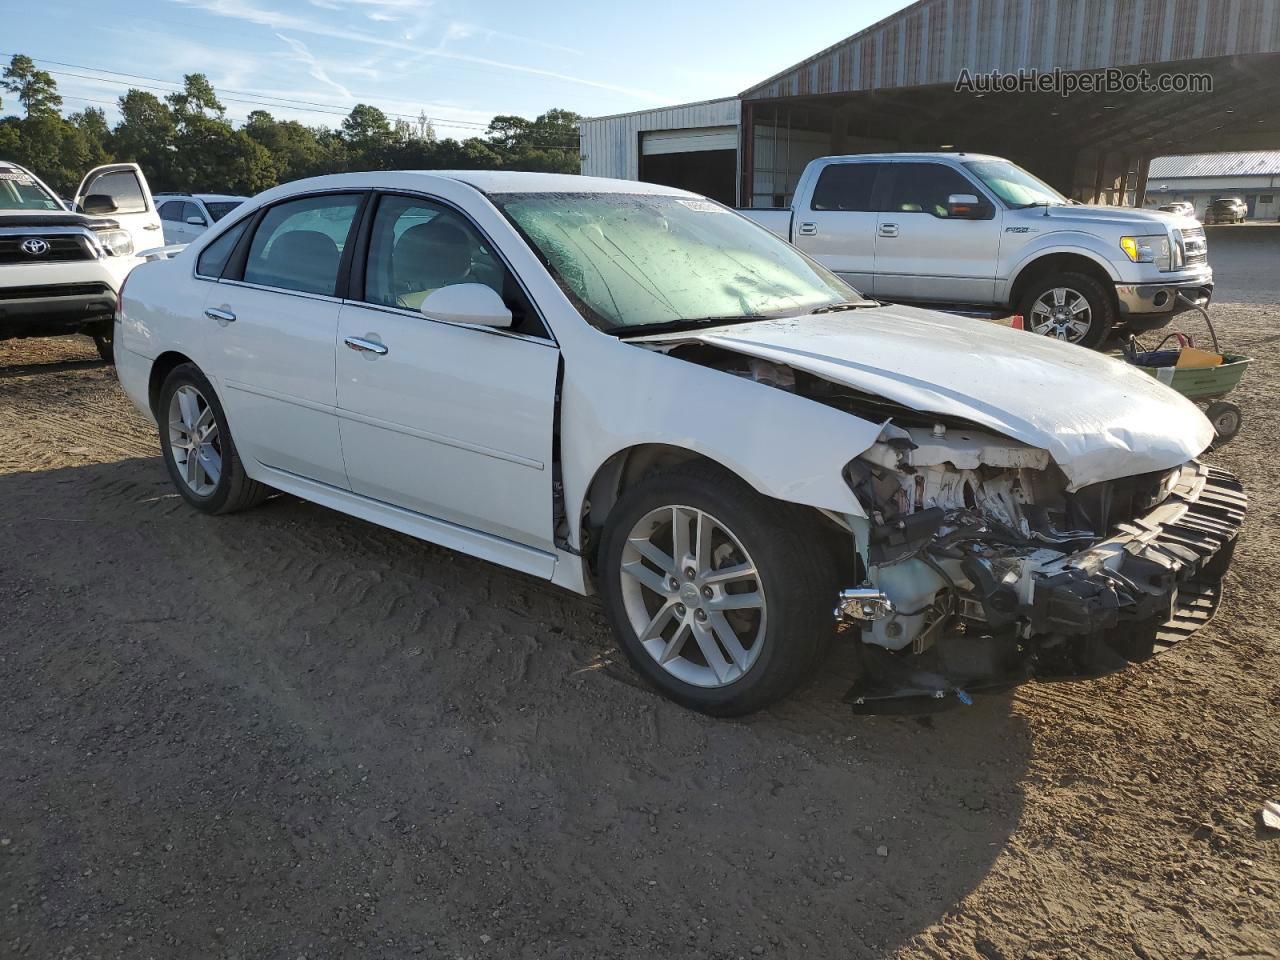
(194, 442)
(693, 596)
(1063, 313)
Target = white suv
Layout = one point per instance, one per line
(61, 269)
(625, 388)
(184, 216)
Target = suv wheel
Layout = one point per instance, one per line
(1069, 306)
(104, 341)
(198, 450)
(715, 592)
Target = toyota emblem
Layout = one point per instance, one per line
(35, 247)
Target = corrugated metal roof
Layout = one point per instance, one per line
(1255, 163)
(930, 41)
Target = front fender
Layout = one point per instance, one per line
(1075, 242)
(619, 396)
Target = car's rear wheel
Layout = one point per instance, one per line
(720, 597)
(1069, 306)
(198, 450)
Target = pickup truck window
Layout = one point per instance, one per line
(1013, 185)
(21, 192)
(846, 186)
(123, 188)
(635, 260)
(924, 188)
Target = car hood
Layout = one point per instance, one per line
(54, 218)
(1098, 417)
(1119, 216)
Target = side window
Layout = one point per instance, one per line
(417, 247)
(171, 210)
(924, 188)
(190, 210)
(846, 186)
(123, 189)
(214, 257)
(298, 244)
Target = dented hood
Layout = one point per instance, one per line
(1098, 417)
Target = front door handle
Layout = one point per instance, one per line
(888, 229)
(361, 345)
(808, 230)
(222, 316)
(152, 226)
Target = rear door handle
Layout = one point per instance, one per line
(808, 230)
(888, 229)
(362, 345)
(222, 316)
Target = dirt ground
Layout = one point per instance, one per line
(289, 734)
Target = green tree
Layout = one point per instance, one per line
(147, 135)
(35, 89)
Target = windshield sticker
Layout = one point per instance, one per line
(21, 178)
(702, 206)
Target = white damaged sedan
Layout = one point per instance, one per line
(630, 390)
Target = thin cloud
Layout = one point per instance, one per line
(276, 20)
(314, 67)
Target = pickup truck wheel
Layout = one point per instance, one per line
(716, 593)
(106, 346)
(1070, 306)
(198, 450)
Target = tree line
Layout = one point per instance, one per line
(185, 141)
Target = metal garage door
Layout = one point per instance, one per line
(688, 141)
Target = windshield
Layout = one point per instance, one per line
(632, 261)
(1014, 185)
(220, 208)
(21, 191)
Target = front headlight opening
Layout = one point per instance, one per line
(118, 243)
(1154, 249)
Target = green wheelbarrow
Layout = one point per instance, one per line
(1205, 385)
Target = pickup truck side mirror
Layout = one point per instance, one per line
(966, 206)
(467, 303)
(96, 203)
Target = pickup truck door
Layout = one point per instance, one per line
(838, 228)
(923, 255)
(448, 420)
(120, 191)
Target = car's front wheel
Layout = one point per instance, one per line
(719, 596)
(198, 450)
(1069, 306)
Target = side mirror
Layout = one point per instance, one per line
(467, 303)
(98, 203)
(196, 221)
(966, 206)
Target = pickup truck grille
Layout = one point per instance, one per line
(1194, 247)
(61, 248)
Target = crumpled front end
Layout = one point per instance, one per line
(983, 569)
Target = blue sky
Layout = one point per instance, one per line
(457, 61)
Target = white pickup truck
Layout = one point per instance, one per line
(61, 269)
(977, 231)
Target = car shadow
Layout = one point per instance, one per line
(287, 730)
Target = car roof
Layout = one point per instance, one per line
(486, 181)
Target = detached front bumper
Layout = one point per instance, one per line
(1151, 303)
(1153, 582)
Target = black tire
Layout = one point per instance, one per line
(795, 574)
(1102, 307)
(104, 340)
(1226, 419)
(234, 489)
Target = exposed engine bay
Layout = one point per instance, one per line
(978, 566)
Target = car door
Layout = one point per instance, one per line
(272, 319)
(171, 221)
(922, 253)
(839, 228)
(120, 191)
(448, 420)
